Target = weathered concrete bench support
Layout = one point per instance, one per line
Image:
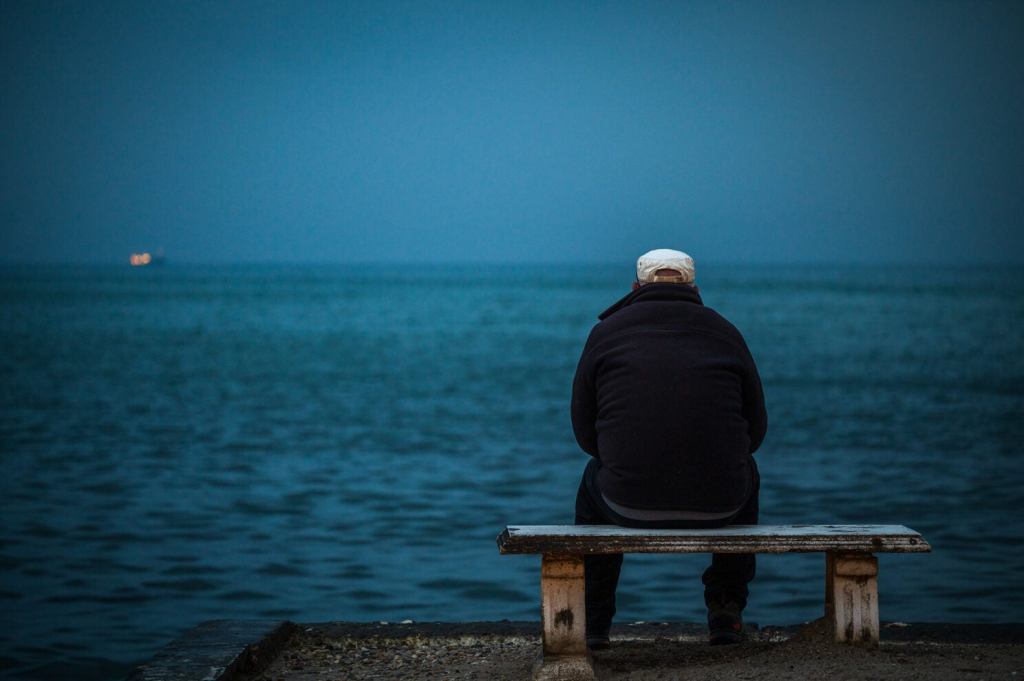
(851, 573)
(563, 620)
(851, 597)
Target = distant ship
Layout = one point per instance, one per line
(146, 258)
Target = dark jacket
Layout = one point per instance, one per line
(667, 397)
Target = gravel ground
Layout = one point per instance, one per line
(341, 652)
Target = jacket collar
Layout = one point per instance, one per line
(661, 292)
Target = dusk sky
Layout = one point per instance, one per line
(512, 131)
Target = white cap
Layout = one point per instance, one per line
(665, 259)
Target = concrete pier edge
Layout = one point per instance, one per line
(224, 650)
(217, 650)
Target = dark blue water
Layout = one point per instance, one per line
(189, 443)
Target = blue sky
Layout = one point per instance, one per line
(351, 132)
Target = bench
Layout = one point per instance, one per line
(851, 573)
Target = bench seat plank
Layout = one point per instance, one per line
(592, 539)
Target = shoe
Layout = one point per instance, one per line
(725, 624)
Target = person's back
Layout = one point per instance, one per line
(668, 401)
(660, 393)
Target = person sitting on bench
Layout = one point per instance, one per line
(668, 402)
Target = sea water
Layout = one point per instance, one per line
(343, 443)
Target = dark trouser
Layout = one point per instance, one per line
(725, 580)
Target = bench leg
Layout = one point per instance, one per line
(563, 618)
(851, 599)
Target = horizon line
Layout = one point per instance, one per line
(1008, 262)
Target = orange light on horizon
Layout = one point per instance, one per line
(140, 259)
